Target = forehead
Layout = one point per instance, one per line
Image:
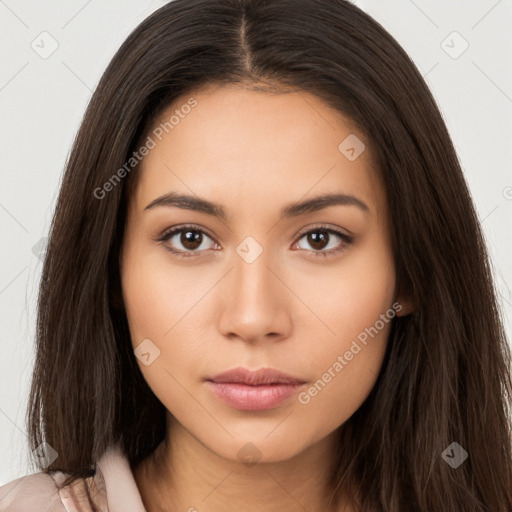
(258, 147)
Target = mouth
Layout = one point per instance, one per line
(248, 390)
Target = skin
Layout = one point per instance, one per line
(253, 153)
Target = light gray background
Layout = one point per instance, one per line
(42, 102)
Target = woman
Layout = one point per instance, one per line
(266, 285)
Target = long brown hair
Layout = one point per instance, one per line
(446, 376)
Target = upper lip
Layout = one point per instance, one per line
(254, 378)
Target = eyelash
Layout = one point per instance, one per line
(168, 234)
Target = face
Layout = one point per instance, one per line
(306, 290)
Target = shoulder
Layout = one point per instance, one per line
(42, 491)
(32, 492)
(45, 492)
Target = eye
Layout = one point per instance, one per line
(322, 237)
(194, 240)
(191, 238)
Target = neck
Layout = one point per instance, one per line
(183, 474)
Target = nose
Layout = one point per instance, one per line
(255, 301)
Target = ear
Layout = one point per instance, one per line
(404, 305)
(406, 309)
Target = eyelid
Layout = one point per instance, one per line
(326, 227)
(168, 233)
(182, 227)
(346, 240)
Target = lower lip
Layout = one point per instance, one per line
(253, 398)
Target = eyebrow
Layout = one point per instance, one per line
(187, 202)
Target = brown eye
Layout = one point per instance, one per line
(322, 238)
(318, 239)
(186, 241)
(191, 239)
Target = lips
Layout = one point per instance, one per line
(259, 390)
(264, 376)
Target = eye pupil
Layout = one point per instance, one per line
(191, 239)
(318, 242)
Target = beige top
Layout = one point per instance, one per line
(111, 489)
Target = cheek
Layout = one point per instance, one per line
(349, 296)
(355, 312)
(157, 304)
(160, 301)
(146, 296)
(154, 292)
